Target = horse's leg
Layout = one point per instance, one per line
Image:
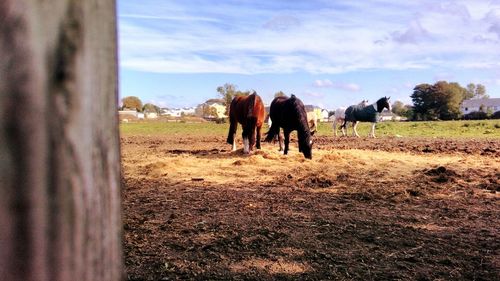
(258, 136)
(246, 143)
(343, 128)
(252, 138)
(232, 133)
(335, 127)
(372, 131)
(346, 127)
(354, 126)
(280, 141)
(287, 141)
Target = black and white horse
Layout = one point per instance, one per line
(339, 117)
(290, 114)
(370, 113)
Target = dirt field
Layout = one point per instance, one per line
(383, 209)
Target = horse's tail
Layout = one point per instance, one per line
(347, 117)
(344, 123)
(272, 133)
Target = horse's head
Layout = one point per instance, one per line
(384, 103)
(305, 146)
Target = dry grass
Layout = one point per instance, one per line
(268, 166)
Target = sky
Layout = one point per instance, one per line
(329, 53)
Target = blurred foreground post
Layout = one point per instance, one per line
(59, 145)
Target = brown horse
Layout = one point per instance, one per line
(249, 112)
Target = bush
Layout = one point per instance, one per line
(476, 115)
(496, 115)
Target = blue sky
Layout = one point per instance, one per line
(330, 53)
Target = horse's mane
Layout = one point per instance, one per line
(251, 101)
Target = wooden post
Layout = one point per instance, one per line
(59, 147)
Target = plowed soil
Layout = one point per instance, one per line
(361, 209)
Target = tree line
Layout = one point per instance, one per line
(439, 101)
(133, 102)
(442, 100)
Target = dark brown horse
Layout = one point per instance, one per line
(249, 112)
(290, 114)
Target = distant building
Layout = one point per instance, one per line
(150, 115)
(128, 112)
(178, 112)
(218, 104)
(385, 116)
(321, 114)
(324, 115)
(389, 116)
(127, 115)
(484, 105)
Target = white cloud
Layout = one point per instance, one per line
(323, 83)
(282, 23)
(314, 94)
(413, 35)
(262, 37)
(351, 87)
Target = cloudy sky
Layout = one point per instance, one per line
(327, 52)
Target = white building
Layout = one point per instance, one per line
(127, 113)
(216, 104)
(484, 105)
(178, 112)
(150, 115)
(324, 115)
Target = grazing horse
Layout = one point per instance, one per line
(290, 114)
(356, 113)
(340, 117)
(249, 112)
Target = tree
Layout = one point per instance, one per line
(401, 109)
(439, 101)
(279, 94)
(398, 108)
(227, 93)
(149, 107)
(448, 97)
(210, 111)
(408, 112)
(481, 92)
(423, 103)
(60, 188)
(470, 91)
(132, 102)
(474, 91)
